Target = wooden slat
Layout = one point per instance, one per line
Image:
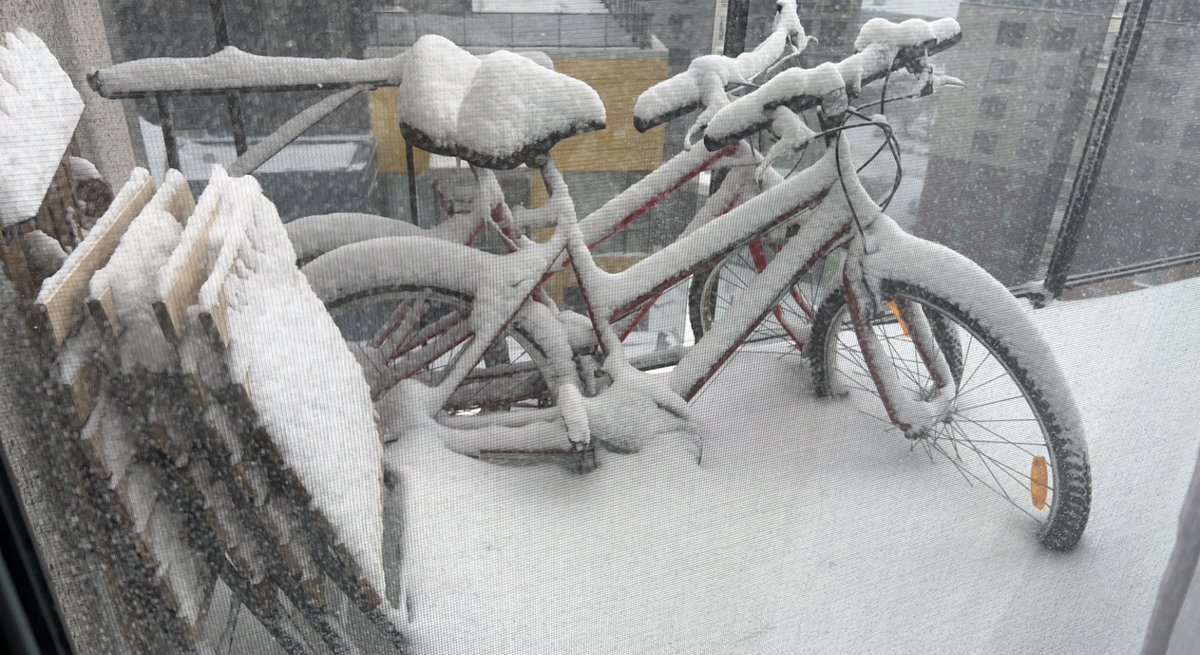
(104, 313)
(59, 308)
(171, 310)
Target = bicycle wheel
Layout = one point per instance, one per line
(1011, 428)
(713, 292)
(416, 332)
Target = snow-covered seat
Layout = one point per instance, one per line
(497, 111)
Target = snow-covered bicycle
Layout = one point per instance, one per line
(910, 327)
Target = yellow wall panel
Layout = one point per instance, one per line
(385, 124)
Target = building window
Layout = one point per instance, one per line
(1031, 149)
(1002, 71)
(1141, 168)
(1059, 39)
(1151, 130)
(1191, 137)
(993, 107)
(1177, 52)
(1163, 90)
(1040, 113)
(1054, 77)
(984, 143)
(1184, 174)
(1010, 34)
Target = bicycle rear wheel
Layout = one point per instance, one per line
(1012, 428)
(714, 291)
(416, 332)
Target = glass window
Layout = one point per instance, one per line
(1163, 90)
(1177, 51)
(1031, 149)
(1142, 168)
(1151, 130)
(993, 106)
(1191, 136)
(1184, 174)
(984, 143)
(1010, 34)
(1001, 71)
(1060, 39)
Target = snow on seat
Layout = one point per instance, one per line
(497, 111)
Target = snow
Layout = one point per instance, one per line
(489, 108)
(280, 335)
(233, 69)
(130, 273)
(39, 108)
(137, 179)
(316, 235)
(538, 6)
(513, 103)
(809, 527)
(46, 254)
(913, 31)
(436, 76)
(704, 82)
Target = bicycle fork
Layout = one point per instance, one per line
(914, 416)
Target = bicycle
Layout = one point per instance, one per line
(950, 354)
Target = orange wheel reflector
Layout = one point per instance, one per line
(899, 319)
(1039, 476)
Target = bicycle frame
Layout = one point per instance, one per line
(611, 298)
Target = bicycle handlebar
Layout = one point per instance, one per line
(882, 47)
(708, 76)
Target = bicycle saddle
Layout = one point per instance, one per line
(497, 111)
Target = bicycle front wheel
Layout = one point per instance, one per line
(1011, 429)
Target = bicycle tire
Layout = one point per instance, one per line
(712, 291)
(1066, 478)
(493, 384)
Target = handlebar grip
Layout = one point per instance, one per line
(882, 47)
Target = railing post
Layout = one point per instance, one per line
(410, 163)
(736, 13)
(1129, 36)
(168, 129)
(221, 32)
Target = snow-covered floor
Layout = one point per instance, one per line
(809, 530)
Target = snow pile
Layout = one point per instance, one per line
(137, 179)
(39, 108)
(703, 83)
(233, 69)
(307, 388)
(495, 110)
(810, 526)
(131, 273)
